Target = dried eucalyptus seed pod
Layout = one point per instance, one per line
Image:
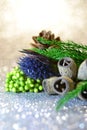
(58, 85)
(82, 71)
(63, 85)
(83, 95)
(67, 67)
(48, 85)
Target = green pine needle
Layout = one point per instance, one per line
(45, 41)
(58, 53)
(81, 86)
(63, 49)
(62, 44)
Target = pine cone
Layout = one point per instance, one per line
(47, 35)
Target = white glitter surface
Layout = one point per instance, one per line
(36, 111)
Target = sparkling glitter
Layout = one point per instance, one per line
(15, 126)
(23, 116)
(64, 117)
(32, 111)
(17, 116)
(82, 126)
(36, 115)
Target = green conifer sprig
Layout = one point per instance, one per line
(58, 53)
(63, 49)
(63, 44)
(81, 86)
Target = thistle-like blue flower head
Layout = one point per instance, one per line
(36, 66)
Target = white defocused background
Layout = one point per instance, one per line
(22, 19)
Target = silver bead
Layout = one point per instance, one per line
(58, 85)
(82, 71)
(67, 67)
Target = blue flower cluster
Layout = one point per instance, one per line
(35, 68)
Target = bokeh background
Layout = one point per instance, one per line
(22, 19)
